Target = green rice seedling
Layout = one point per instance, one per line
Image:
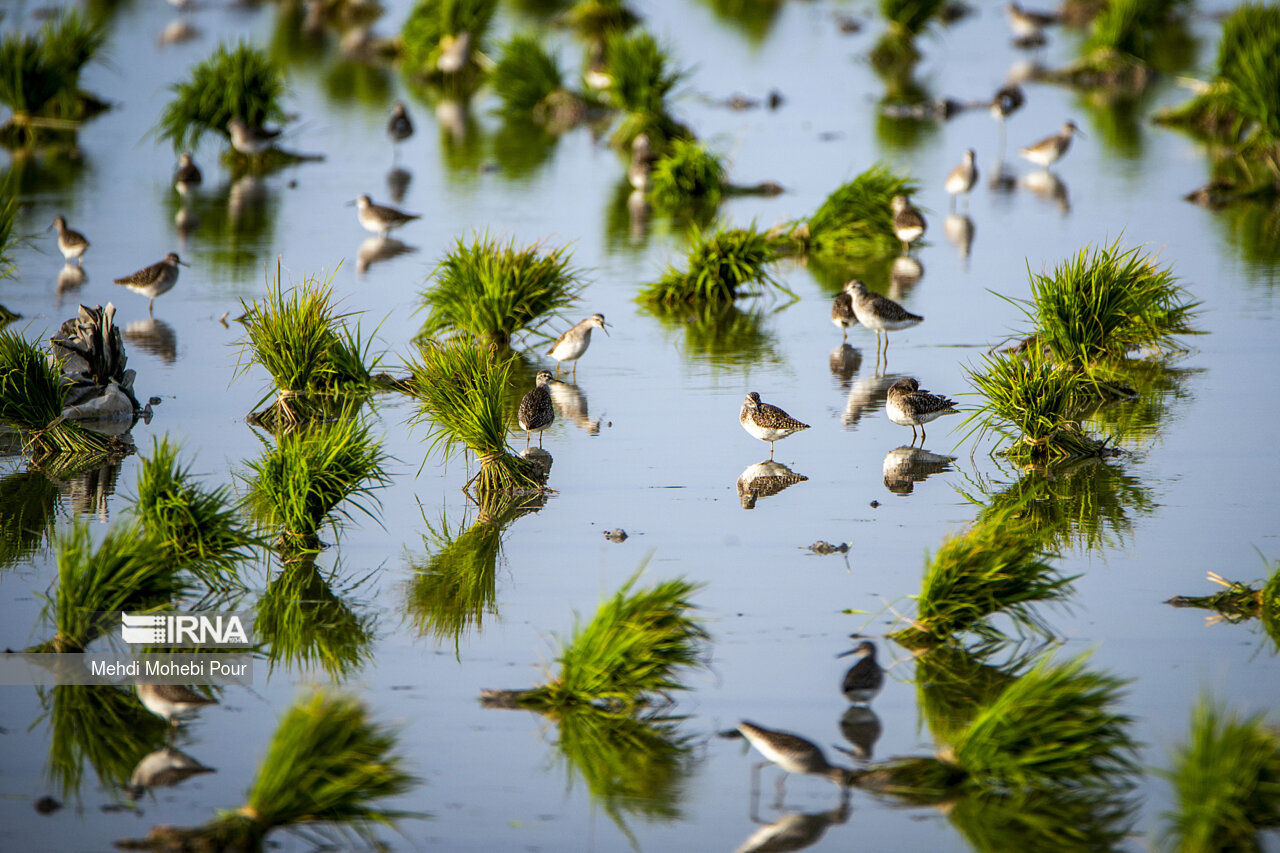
(910, 16)
(197, 530)
(629, 655)
(1132, 27)
(455, 587)
(688, 174)
(237, 81)
(1034, 402)
(78, 715)
(856, 222)
(124, 572)
(1104, 303)
(596, 19)
(28, 512)
(444, 41)
(1130, 41)
(895, 51)
(1081, 821)
(995, 567)
(304, 623)
(1238, 602)
(327, 763)
(1053, 729)
(526, 75)
(753, 19)
(719, 335)
(40, 77)
(313, 476)
(462, 389)
(1227, 782)
(317, 358)
(631, 765)
(494, 291)
(722, 262)
(32, 398)
(643, 79)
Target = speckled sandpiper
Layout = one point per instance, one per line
(908, 405)
(187, 175)
(1051, 149)
(536, 409)
(908, 223)
(865, 678)
(155, 280)
(172, 701)
(793, 754)
(767, 422)
(962, 178)
(379, 218)
(250, 140)
(399, 125)
(842, 312)
(72, 244)
(574, 342)
(879, 313)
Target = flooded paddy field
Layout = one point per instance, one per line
(645, 439)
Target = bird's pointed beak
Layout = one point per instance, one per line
(183, 264)
(604, 327)
(845, 654)
(351, 203)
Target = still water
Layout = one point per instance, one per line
(656, 449)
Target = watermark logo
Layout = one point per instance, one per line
(187, 630)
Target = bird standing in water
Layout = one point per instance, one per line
(536, 410)
(767, 422)
(574, 342)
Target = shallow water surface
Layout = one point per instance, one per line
(650, 443)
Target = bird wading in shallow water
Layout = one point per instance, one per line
(865, 678)
(766, 422)
(908, 405)
(248, 140)
(399, 125)
(793, 754)
(187, 175)
(536, 409)
(155, 280)
(908, 223)
(842, 315)
(72, 244)
(962, 179)
(1051, 149)
(879, 313)
(574, 342)
(379, 218)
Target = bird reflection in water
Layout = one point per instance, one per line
(155, 337)
(398, 183)
(905, 273)
(89, 491)
(638, 215)
(844, 363)
(187, 221)
(540, 458)
(793, 830)
(246, 198)
(1050, 187)
(906, 466)
(571, 405)
(867, 395)
(959, 232)
(378, 249)
(164, 768)
(861, 727)
(71, 278)
(763, 480)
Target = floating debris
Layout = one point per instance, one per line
(823, 548)
(618, 535)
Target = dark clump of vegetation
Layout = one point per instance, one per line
(326, 763)
(28, 512)
(1124, 46)
(493, 291)
(528, 81)
(643, 79)
(32, 398)
(722, 263)
(1227, 782)
(595, 19)
(461, 388)
(994, 568)
(688, 174)
(1105, 303)
(238, 81)
(40, 78)
(303, 481)
(855, 222)
(126, 571)
(628, 656)
(896, 50)
(443, 41)
(318, 362)
(1239, 602)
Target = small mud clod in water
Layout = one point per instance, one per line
(823, 547)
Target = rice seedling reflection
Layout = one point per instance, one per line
(29, 502)
(1240, 602)
(327, 763)
(1227, 781)
(454, 587)
(628, 656)
(896, 50)
(307, 618)
(719, 335)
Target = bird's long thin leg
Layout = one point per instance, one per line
(922, 436)
(771, 451)
(526, 439)
(782, 791)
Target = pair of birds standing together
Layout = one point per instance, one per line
(536, 409)
(151, 281)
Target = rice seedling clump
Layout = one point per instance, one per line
(444, 40)
(237, 81)
(494, 291)
(687, 174)
(40, 77)
(856, 220)
(721, 264)
(643, 79)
